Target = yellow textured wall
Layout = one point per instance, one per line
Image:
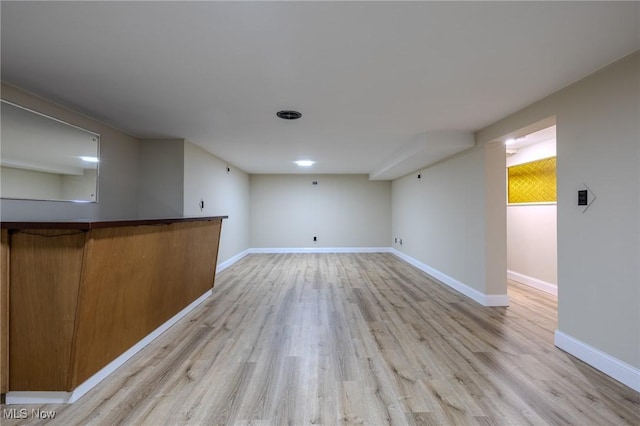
(533, 182)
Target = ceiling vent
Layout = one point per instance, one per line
(288, 114)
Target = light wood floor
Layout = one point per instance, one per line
(353, 339)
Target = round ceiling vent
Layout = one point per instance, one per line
(288, 114)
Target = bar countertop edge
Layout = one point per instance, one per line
(88, 224)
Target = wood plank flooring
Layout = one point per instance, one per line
(297, 339)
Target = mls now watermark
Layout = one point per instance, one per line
(23, 413)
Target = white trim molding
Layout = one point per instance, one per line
(40, 397)
(265, 250)
(48, 397)
(611, 366)
(320, 250)
(224, 265)
(481, 298)
(533, 282)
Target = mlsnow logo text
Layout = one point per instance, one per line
(23, 413)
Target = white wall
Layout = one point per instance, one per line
(440, 217)
(287, 211)
(161, 178)
(532, 255)
(176, 174)
(224, 194)
(19, 183)
(531, 245)
(30, 184)
(80, 187)
(598, 144)
(118, 184)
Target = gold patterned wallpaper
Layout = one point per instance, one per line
(533, 182)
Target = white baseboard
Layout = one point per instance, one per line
(37, 397)
(224, 265)
(493, 299)
(320, 250)
(613, 367)
(264, 250)
(533, 282)
(48, 397)
(481, 298)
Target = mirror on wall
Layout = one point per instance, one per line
(43, 158)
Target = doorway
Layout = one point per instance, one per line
(531, 217)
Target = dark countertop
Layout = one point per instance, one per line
(87, 224)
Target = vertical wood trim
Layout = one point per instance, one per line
(70, 379)
(4, 312)
(44, 279)
(217, 231)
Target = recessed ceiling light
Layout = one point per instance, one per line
(288, 114)
(511, 141)
(90, 159)
(305, 163)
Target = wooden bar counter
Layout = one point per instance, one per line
(81, 293)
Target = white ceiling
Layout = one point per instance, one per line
(368, 77)
(543, 135)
